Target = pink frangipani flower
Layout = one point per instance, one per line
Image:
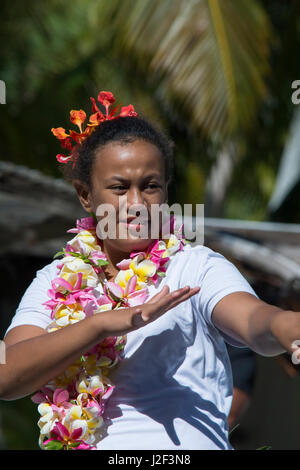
(72, 294)
(86, 223)
(124, 264)
(72, 440)
(128, 296)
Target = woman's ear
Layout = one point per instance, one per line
(84, 195)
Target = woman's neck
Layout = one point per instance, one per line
(113, 257)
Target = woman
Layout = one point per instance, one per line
(173, 388)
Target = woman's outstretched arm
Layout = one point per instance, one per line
(34, 357)
(266, 329)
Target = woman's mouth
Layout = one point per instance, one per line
(137, 225)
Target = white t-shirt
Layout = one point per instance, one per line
(174, 385)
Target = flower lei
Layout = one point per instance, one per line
(72, 405)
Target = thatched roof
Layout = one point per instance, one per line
(36, 211)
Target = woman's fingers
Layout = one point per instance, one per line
(118, 322)
(162, 300)
(184, 297)
(161, 294)
(164, 291)
(167, 302)
(179, 297)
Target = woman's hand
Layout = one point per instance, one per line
(33, 357)
(122, 321)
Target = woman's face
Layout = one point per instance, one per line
(127, 175)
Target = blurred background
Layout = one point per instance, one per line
(220, 78)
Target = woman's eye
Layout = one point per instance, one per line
(124, 188)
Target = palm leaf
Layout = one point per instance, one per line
(211, 57)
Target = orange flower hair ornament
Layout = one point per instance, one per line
(71, 140)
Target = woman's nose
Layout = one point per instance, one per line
(135, 203)
(134, 197)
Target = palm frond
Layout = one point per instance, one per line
(211, 57)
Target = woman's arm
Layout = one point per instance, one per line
(34, 357)
(266, 329)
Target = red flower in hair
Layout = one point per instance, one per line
(73, 139)
(77, 117)
(106, 98)
(127, 111)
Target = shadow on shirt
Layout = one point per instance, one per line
(158, 395)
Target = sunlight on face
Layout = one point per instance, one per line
(133, 172)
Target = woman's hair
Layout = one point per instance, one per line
(123, 130)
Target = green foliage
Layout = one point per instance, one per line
(203, 70)
(102, 262)
(19, 424)
(54, 445)
(197, 68)
(211, 57)
(59, 253)
(161, 273)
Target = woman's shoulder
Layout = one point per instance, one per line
(42, 280)
(197, 261)
(190, 260)
(194, 253)
(48, 271)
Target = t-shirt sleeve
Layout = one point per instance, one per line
(31, 310)
(217, 278)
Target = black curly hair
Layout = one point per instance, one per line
(123, 130)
